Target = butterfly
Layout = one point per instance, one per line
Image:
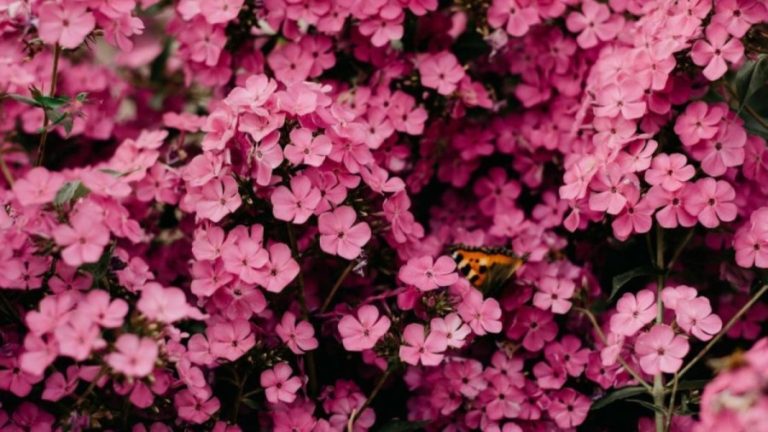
(485, 268)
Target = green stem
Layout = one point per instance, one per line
(52, 92)
(658, 379)
(336, 286)
(91, 386)
(680, 248)
(376, 389)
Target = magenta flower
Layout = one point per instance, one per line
(64, 24)
(569, 408)
(134, 356)
(428, 274)
(362, 333)
(554, 294)
(422, 348)
(452, 327)
(636, 217)
(633, 312)
(695, 317)
(660, 350)
(535, 326)
(713, 52)
(515, 16)
(38, 186)
(300, 337)
(712, 201)
(670, 171)
(307, 149)
(440, 71)
(278, 384)
(297, 203)
(279, 270)
(593, 24)
(83, 239)
(230, 340)
(339, 235)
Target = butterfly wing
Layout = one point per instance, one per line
(486, 268)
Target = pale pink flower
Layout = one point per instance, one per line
(713, 52)
(660, 350)
(279, 270)
(83, 239)
(306, 148)
(66, 24)
(428, 274)
(134, 356)
(339, 235)
(422, 348)
(166, 305)
(362, 333)
(38, 186)
(297, 203)
(633, 312)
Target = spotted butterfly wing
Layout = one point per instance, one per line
(485, 268)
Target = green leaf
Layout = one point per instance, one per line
(52, 102)
(617, 395)
(750, 78)
(402, 426)
(647, 404)
(82, 97)
(69, 192)
(622, 279)
(23, 99)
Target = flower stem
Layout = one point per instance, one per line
(376, 389)
(52, 92)
(336, 286)
(6, 172)
(658, 379)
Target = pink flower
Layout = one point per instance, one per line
(660, 350)
(695, 317)
(715, 50)
(166, 305)
(633, 312)
(440, 71)
(362, 333)
(58, 386)
(83, 239)
(625, 99)
(306, 148)
(297, 203)
(420, 347)
(100, 309)
(78, 337)
(290, 63)
(569, 408)
(38, 186)
(230, 340)
(53, 311)
(298, 337)
(672, 204)
(670, 171)
(243, 255)
(278, 384)
(535, 326)
(452, 328)
(194, 409)
(636, 216)
(554, 294)
(15, 380)
(133, 356)
(279, 270)
(267, 155)
(483, 316)
(593, 24)
(218, 198)
(712, 201)
(515, 16)
(725, 150)
(64, 24)
(699, 121)
(220, 11)
(427, 275)
(339, 235)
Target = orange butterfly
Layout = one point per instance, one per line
(485, 268)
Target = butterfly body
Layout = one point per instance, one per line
(485, 267)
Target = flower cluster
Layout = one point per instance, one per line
(324, 215)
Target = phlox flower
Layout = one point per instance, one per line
(58, 386)
(363, 331)
(279, 385)
(633, 312)
(440, 71)
(699, 121)
(102, 310)
(515, 16)
(53, 311)
(84, 238)
(483, 316)
(306, 148)
(15, 380)
(452, 328)
(724, 150)
(166, 305)
(660, 350)
(38, 186)
(339, 235)
(220, 11)
(134, 356)
(299, 337)
(194, 409)
(594, 23)
(636, 216)
(230, 340)
(672, 211)
(422, 348)
(297, 203)
(670, 171)
(625, 99)
(535, 326)
(428, 274)
(695, 317)
(715, 50)
(78, 337)
(279, 270)
(66, 24)
(737, 16)
(712, 201)
(569, 408)
(290, 63)
(219, 197)
(554, 294)
(244, 256)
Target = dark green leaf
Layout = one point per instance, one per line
(402, 426)
(51, 102)
(622, 279)
(23, 99)
(69, 192)
(647, 404)
(750, 78)
(617, 395)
